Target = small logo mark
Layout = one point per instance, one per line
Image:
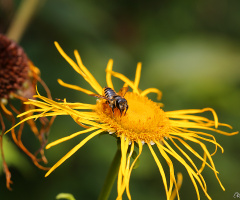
(236, 195)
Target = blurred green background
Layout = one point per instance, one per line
(190, 50)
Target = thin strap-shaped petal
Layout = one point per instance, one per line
(130, 155)
(180, 133)
(204, 148)
(42, 114)
(81, 69)
(223, 132)
(185, 135)
(171, 169)
(179, 184)
(131, 168)
(212, 141)
(79, 122)
(188, 168)
(64, 109)
(73, 150)
(37, 103)
(204, 163)
(214, 115)
(74, 87)
(193, 164)
(126, 80)
(191, 117)
(127, 171)
(119, 183)
(109, 74)
(193, 151)
(121, 172)
(189, 111)
(25, 119)
(93, 82)
(160, 170)
(194, 183)
(190, 171)
(69, 137)
(69, 60)
(138, 75)
(59, 106)
(39, 110)
(183, 132)
(194, 111)
(188, 124)
(41, 107)
(124, 148)
(125, 85)
(152, 90)
(81, 106)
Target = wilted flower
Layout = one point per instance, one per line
(145, 122)
(18, 79)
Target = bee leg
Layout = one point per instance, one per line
(113, 110)
(126, 110)
(112, 106)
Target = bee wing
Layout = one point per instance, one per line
(123, 91)
(98, 96)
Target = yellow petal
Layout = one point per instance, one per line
(109, 74)
(138, 75)
(160, 170)
(74, 87)
(152, 90)
(72, 151)
(69, 137)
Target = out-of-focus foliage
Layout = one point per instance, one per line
(189, 49)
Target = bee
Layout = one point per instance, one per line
(114, 100)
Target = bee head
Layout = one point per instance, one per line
(122, 105)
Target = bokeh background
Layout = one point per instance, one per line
(190, 50)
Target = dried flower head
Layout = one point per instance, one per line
(145, 122)
(18, 79)
(14, 67)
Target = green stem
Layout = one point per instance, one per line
(111, 176)
(22, 18)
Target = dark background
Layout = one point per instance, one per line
(190, 50)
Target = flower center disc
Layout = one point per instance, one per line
(144, 119)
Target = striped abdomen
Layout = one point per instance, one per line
(109, 93)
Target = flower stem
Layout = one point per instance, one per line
(111, 176)
(22, 18)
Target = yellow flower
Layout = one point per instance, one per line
(144, 123)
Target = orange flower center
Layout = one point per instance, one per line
(144, 119)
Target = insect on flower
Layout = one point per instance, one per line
(172, 132)
(115, 100)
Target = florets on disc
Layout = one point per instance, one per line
(144, 120)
